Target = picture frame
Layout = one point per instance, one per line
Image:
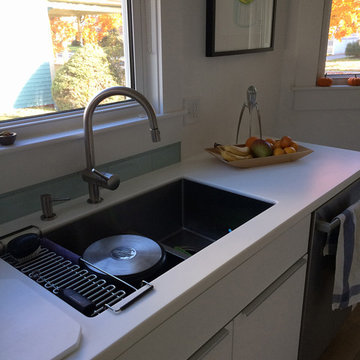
(239, 26)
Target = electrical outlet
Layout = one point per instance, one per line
(192, 109)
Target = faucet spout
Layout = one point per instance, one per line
(95, 178)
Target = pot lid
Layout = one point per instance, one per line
(123, 255)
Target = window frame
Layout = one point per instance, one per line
(338, 79)
(146, 73)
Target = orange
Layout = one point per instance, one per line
(250, 141)
(289, 150)
(285, 141)
(277, 144)
(278, 151)
(294, 145)
(270, 141)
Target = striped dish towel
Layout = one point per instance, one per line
(347, 271)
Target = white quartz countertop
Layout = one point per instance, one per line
(296, 189)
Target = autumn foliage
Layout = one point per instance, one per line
(345, 18)
(95, 27)
(61, 32)
(94, 65)
(87, 29)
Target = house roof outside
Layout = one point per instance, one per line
(82, 7)
(114, 3)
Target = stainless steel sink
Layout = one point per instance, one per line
(184, 216)
(180, 218)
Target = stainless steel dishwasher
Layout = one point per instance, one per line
(319, 322)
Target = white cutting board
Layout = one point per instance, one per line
(31, 327)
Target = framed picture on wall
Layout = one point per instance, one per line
(239, 26)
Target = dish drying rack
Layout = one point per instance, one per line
(79, 287)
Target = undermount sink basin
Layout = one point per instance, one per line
(183, 216)
(116, 253)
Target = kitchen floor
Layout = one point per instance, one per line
(346, 345)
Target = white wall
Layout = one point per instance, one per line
(289, 101)
(327, 116)
(221, 82)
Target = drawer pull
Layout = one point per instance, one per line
(273, 287)
(210, 344)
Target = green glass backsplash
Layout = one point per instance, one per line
(25, 201)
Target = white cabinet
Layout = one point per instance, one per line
(269, 327)
(218, 347)
(192, 327)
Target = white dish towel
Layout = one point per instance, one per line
(347, 272)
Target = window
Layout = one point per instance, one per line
(57, 54)
(343, 41)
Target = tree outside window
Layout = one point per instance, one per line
(88, 57)
(343, 51)
(63, 53)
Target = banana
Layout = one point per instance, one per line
(237, 150)
(228, 156)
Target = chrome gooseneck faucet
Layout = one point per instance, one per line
(93, 177)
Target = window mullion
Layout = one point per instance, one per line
(324, 38)
(147, 49)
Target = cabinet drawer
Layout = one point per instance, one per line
(269, 327)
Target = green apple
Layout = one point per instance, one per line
(261, 148)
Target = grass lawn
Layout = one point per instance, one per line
(343, 66)
(20, 113)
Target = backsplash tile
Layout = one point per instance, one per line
(130, 167)
(27, 200)
(161, 159)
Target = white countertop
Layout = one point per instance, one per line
(295, 188)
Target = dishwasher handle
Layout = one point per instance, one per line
(327, 227)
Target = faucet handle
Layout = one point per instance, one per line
(104, 176)
(103, 179)
(111, 181)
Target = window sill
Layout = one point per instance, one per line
(31, 142)
(336, 97)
